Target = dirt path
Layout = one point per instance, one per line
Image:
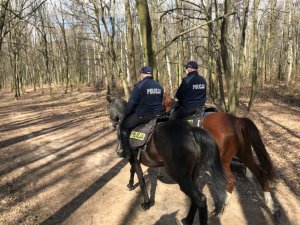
(58, 165)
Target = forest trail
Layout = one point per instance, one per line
(58, 166)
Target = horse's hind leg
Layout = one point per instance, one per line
(246, 157)
(248, 160)
(198, 200)
(188, 220)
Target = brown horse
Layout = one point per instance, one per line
(237, 136)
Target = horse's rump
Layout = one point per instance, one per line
(185, 149)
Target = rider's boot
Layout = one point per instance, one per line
(124, 151)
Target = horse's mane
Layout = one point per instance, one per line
(168, 102)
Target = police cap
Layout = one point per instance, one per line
(146, 70)
(191, 64)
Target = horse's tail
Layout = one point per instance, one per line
(212, 161)
(250, 136)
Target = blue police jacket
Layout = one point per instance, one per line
(146, 98)
(191, 93)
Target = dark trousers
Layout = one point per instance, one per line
(126, 126)
(180, 113)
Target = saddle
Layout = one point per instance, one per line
(140, 135)
(196, 119)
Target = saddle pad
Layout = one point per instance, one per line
(196, 119)
(140, 135)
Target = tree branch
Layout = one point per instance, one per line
(18, 15)
(192, 29)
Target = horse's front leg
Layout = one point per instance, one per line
(147, 202)
(132, 172)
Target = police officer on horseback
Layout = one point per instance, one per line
(144, 103)
(191, 93)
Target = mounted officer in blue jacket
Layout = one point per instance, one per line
(144, 103)
(191, 93)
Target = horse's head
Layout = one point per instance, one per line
(116, 109)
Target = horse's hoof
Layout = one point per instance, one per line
(185, 222)
(146, 205)
(130, 187)
(277, 215)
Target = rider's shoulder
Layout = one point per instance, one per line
(139, 84)
(185, 78)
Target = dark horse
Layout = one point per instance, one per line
(236, 136)
(183, 150)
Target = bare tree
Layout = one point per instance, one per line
(3, 14)
(254, 54)
(102, 42)
(130, 41)
(146, 33)
(241, 55)
(230, 79)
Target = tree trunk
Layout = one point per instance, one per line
(88, 63)
(290, 59)
(241, 56)
(212, 77)
(146, 34)
(181, 43)
(16, 76)
(230, 79)
(45, 47)
(169, 75)
(3, 10)
(66, 57)
(221, 104)
(111, 47)
(254, 62)
(130, 43)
